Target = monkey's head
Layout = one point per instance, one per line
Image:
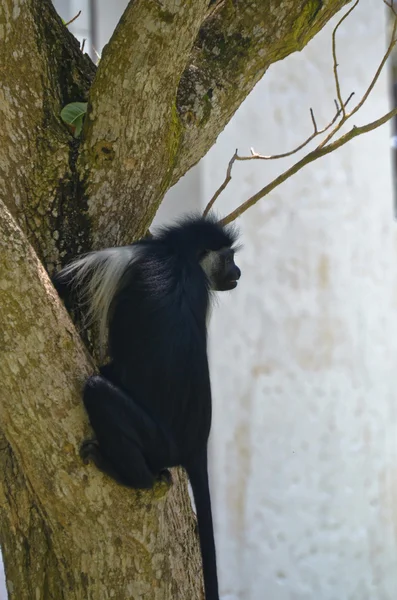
(220, 268)
(205, 239)
(216, 245)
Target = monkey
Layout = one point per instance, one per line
(150, 405)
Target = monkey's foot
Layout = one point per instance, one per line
(165, 477)
(89, 450)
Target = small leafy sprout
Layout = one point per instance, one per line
(73, 114)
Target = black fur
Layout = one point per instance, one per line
(150, 407)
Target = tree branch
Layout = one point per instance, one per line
(36, 170)
(326, 146)
(316, 132)
(73, 19)
(222, 187)
(310, 157)
(335, 61)
(132, 131)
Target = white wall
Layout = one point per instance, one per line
(304, 352)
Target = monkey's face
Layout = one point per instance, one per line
(221, 270)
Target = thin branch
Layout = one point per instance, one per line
(316, 132)
(390, 47)
(74, 18)
(313, 121)
(391, 6)
(310, 157)
(336, 76)
(326, 146)
(255, 155)
(222, 187)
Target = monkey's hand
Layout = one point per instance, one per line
(89, 451)
(165, 477)
(162, 484)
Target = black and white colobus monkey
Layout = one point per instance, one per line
(150, 407)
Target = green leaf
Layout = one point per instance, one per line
(73, 114)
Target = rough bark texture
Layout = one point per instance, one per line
(169, 81)
(77, 534)
(137, 82)
(41, 70)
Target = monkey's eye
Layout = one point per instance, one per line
(229, 258)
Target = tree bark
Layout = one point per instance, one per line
(41, 70)
(168, 82)
(83, 529)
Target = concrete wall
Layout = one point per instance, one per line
(304, 352)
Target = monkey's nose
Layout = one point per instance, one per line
(238, 273)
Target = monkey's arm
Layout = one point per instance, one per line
(198, 476)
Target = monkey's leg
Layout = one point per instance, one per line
(90, 451)
(165, 475)
(126, 435)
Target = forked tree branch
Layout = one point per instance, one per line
(336, 76)
(224, 184)
(312, 156)
(254, 155)
(325, 146)
(235, 47)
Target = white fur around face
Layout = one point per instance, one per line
(210, 265)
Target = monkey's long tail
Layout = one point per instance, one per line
(198, 476)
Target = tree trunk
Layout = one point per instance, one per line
(168, 82)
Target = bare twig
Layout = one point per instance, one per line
(326, 146)
(74, 18)
(314, 120)
(391, 6)
(316, 132)
(83, 44)
(375, 78)
(390, 47)
(254, 155)
(310, 157)
(336, 76)
(222, 187)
